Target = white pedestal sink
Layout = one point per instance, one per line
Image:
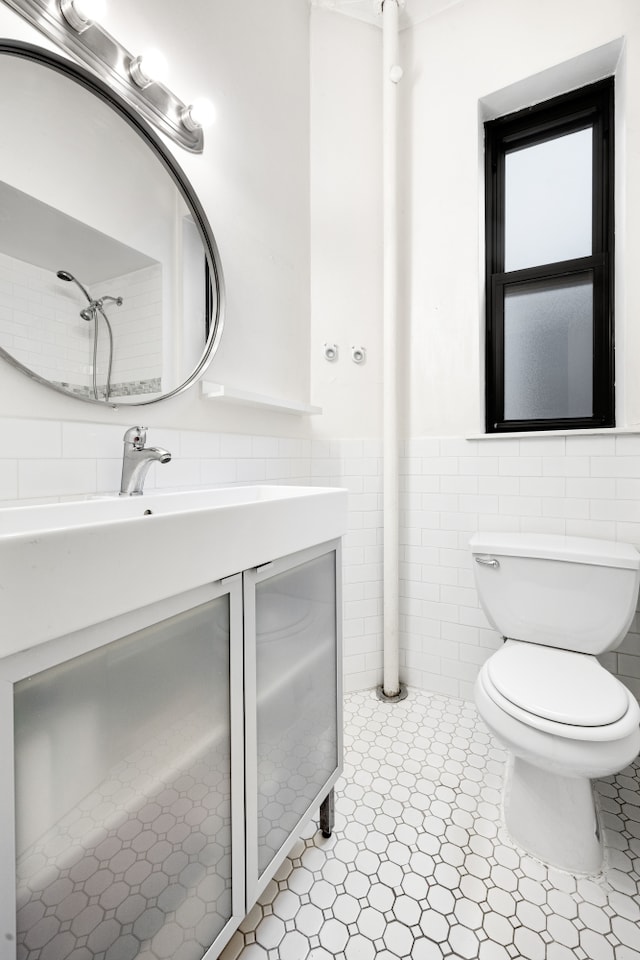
(67, 566)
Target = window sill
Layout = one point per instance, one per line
(596, 432)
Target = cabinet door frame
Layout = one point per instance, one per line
(255, 882)
(21, 665)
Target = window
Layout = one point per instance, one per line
(549, 242)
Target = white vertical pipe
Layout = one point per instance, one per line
(390, 76)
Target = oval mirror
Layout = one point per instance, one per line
(111, 288)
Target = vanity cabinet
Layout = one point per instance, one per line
(136, 744)
(128, 784)
(293, 692)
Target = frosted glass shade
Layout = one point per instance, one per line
(548, 349)
(548, 200)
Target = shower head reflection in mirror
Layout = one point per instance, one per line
(39, 314)
(92, 313)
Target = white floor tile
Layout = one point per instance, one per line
(420, 866)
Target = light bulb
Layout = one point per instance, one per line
(90, 9)
(201, 113)
(80, 14)
(151, 67)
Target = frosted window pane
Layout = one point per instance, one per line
(297, 689)
(548, 201)
(548, 350)
(123, 803)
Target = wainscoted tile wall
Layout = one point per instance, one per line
(451, 487)
(44, 460)
(586, 486)
(357, 465)
(579, 485)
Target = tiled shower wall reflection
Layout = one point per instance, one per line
(40, 325)
(580, 485)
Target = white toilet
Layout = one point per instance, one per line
(565, 719)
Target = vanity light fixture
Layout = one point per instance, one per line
(201, 113)
(81, 14)
(137, 79)
(150, 67)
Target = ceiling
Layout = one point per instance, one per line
(370, 11)
(45, 237)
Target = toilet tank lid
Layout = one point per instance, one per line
(545, 546)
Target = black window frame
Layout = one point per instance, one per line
(591, 106)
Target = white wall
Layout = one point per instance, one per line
(453, 63)
(475, 59)
(253, 180)
(252, 59)
(346, 223)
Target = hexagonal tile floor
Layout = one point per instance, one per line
(419, 868)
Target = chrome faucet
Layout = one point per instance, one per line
(136, 461)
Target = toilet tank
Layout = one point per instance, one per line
(569, 592)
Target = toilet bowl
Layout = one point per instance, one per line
(563, 717)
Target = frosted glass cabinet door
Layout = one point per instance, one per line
(126, 834)
(293, 696)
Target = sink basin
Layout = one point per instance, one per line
(67, 566)
(109, 509)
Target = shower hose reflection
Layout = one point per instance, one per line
(90, 313)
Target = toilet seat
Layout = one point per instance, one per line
(558, 685)
(559, 692)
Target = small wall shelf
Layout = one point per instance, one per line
(218, 391)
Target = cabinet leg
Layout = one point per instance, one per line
(327, 814)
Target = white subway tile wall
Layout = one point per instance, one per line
(40, 324)
(577, 485)
(137, 325)
(451, 487)
(45, 460)
(357, 465)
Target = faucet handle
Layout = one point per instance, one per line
(137, 436)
